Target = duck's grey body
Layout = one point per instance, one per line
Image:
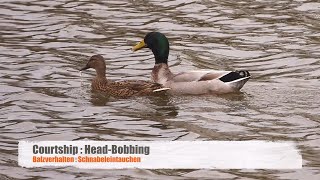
(199, 82)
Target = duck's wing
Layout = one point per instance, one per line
(223, 80)
(136, 87)
(207, 75)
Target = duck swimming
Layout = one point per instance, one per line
(191, 82)
(126, 88)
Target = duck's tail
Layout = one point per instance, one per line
(236, 79)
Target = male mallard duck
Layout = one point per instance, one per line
(121, 88)
(192, 82)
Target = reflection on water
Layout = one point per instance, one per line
(44, 43)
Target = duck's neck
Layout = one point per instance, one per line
(99, 81)
(161, 73)
(101, 76)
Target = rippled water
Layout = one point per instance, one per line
(44, 43)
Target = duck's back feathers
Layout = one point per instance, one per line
(224, 76)
(128, 88)
(204, 75)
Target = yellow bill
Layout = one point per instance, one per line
(140, 45)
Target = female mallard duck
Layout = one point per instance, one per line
(192, 82)
(121, 88)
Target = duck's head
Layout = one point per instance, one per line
(96, 62)
(159, 45)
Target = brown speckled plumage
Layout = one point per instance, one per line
(125, 88)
